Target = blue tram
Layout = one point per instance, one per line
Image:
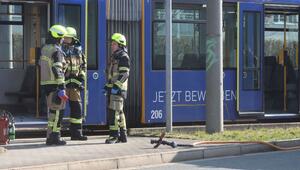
(260, 56)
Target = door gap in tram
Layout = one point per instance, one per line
(281, 61)
(27, 25)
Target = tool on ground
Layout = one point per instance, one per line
(158, 142)
(173, 144)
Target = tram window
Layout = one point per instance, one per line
(281, 18)
(229, 36)
(189, 37)
(275, 33)
(127, 22)
(292, 47)
(9, 12)
(251, 51)
(92, 34)
(11, 36)
(273, 43)
(274, 21)
(276, 18)
(70, 17)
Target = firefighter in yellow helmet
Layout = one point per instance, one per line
(75, 76)
(116, 88)
(53, 82)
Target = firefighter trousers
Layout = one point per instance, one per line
(56, 112)
(116, 116)
(54, 121)
(75, 112)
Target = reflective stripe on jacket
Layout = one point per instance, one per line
(52, 63)
(118, 71)
(76, 65)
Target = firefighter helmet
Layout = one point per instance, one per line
(57, 31)
(71, 32)
(119, 38)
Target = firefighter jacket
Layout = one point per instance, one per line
(118, 71)
(52, 66)
(76, 66)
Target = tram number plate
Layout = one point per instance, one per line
(156, 114)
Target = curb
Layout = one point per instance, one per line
(184, 129)
(164, 157)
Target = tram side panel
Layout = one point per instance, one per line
(189, 88)
(188, 96)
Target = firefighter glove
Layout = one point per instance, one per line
(115, 90)
(105, 89)
(62, 95)
(81, 87)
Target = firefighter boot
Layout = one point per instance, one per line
(54, 139)
(76, 134)
(123, 135)
(113, 137)
(112, 140)
(49, 139)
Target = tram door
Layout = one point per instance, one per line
(73, 13)
(249, 84)
(281, 60)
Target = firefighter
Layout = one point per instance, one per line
(53, 82)
(116, 88)
(75, 76)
